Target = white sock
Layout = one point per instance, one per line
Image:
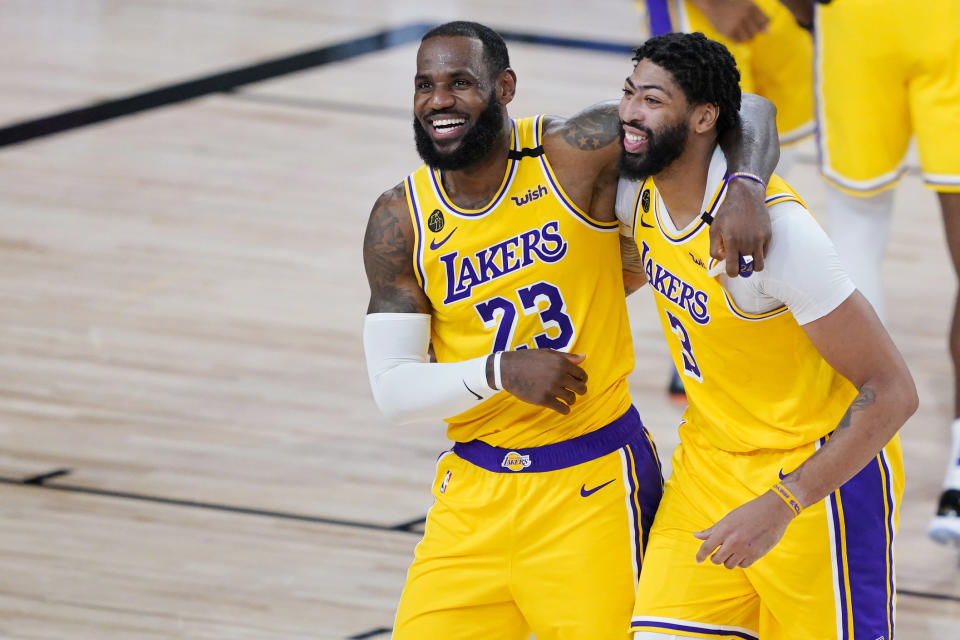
(952, 479)
(859, 228)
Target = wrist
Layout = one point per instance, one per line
(494, 379)
(790, 502)
(746, 178)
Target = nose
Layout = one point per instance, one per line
(441, 97)
(631, 110)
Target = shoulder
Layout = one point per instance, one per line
(389, 221)
(595, 128)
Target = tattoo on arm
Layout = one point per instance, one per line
(634, 276)
(593, 128)
(866, 398)
(388, 257)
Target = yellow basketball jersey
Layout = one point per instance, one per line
(754, 381)
(526, 271)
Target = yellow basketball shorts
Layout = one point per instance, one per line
(776, 64)
(546, 540)
(830, 577)
(888, 69)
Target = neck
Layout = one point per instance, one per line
(474, 186)
(682, 183)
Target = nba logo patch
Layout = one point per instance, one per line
(446, 481)
(515, 462)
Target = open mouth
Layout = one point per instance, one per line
(634, 142)
(447, 127)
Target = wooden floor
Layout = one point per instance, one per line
(189, 446)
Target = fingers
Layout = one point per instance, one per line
(717, 250)
(733, 266)
(577, 385)
(556, 405)
(575, 358)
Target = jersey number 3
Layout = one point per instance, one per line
(690, 367)
(541, 298)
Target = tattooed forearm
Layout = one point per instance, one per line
(593, 128)
(388, 258)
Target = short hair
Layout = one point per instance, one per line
(704, 69)
(494, 48)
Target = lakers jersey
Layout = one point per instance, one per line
(529, 270)
(753, 380)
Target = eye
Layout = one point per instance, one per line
(652, 100)
(627, 92)
(423, 85)
(460, 84)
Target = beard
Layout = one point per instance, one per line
(476, 143)
(662, 149)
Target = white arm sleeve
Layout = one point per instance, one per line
(408, 388)
(802, 270)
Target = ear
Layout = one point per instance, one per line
(704, 117)
(506, 87)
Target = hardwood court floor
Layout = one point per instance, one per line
(182, 299)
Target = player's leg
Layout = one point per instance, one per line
(932, 39)
(945, 526)
(859, 227)
(457, 586)
(580, 533)
(675, 594)
(831, 577)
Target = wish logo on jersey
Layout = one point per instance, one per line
(515, 462)
(544, 244)
(674, 289)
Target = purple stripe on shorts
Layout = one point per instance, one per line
(692, 628)
(659, 12)
(558, 455)
(865, 499)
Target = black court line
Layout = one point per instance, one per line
(229, 81)
(370, 634)
(404, 527)
(225, 81)
(43, 477)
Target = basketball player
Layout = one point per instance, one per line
(502, 251)
(775, 58)
(906, 58)
(778, 520)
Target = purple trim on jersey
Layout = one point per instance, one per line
(557, 191)
(498, 197)
(659, 12)
(867, 518)
(558, 455)
(766, 315)
(418, 250)
(692, 628)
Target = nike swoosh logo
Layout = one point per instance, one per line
(479, 397)
(436, 245)
(645, 224)
(781, 474)
(586, 493)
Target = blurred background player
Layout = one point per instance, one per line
(887, 70)
(774, 55)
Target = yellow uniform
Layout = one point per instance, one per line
(540, 519)
(887, 69)
(776, 64)
(762, 400)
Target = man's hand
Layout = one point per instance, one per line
(544, 377)
(741, 226)
(745, 534)
(739, 20)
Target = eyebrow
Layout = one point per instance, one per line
(646, 86)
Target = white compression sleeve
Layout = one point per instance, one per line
(408, 388)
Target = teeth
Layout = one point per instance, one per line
(437, 124)
(634, 138)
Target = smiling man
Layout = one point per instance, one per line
(502, 253)
(789, 474)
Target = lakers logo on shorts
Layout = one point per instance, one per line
(515, 462)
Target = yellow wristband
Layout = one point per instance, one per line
(787, 497)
